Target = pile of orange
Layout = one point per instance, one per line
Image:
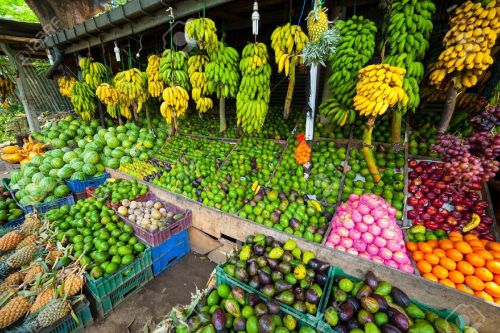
(466, 263)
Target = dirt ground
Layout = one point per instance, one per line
(156, 299)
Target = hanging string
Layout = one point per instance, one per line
(204, 7)
(290, 12)
(129, 55)
(302, 12)
(354, 8)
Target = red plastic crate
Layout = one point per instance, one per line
(157, 237)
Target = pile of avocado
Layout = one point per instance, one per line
(281, 271)
(97, 236)
(373, 306)
(116, 190)
(9, 210)
(231, 309)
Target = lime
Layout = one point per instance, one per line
(132, 240)
(116, 259)
(223, 290)
(127, 229)
(124, 237)
(127, 259)
(346, 285)
(96, 272)
(139, 247)
(124, 250)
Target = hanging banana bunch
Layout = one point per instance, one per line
(222, 72)
(6, 87)
(131, 86)
(203, 31)
(288, 42)
(252, 101)
(93, 72)
(196, 71)
(109, 96)
(468, 43)
(65, 84)
(175, 103)
(155, 84)
(83, 100)
(174, 68)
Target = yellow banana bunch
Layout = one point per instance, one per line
(252, 101)
(65, 84)
(198, 80)
(221, 72)
(288, 41)
(379, 88)
(109, 96)
(6, 87)
(317, 23)
(174, 68)
(175, 103)
(93, 73)
(204, 104)
(155, 85)
(469, 42)
(83, 100)
(131, 86)
(203, 31)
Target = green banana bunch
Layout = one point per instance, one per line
(83, 100)
(131, 86)
(222, 73)
(203, 31)
(354, 50)
(174, 68)
(410, 26)
(93, 73)
(252, 101)
(197, 77)
(155, 84)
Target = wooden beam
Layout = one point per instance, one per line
(8, 38)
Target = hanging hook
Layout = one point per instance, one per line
(138, 54)
(170, 13)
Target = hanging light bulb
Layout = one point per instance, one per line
(255, 19)
(117, 52)
(49, 55)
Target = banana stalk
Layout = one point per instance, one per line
(397, 116)
(222, 114)
(368, 152)
(291, 86)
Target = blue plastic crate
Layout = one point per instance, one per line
(170, 252)
(13, 224)
(78, 186)
(45, 207)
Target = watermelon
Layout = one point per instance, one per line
(79, 175)
(57, 153)
(126, 143)
(53, 173)
(37, 160)
(148, 144)
(77, 164)
(107, 151)
(50, 198)
(45, 168)
(143, 156)
(48, 184)
(91, 157)
(71, 155)
(52, 134)
(65, 172)
(117, 153)
(125, 160)
(122, 137)
(100, 167)
(62, 191)
(58, 143)
(16, 176)
(29, 171)
(57, 163)
(113, 163)
(113, 142)
(134, 152)
(37, 177)
(121, 129)
(89, 169)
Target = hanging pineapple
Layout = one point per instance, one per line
(317, 23)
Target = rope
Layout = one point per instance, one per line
(204, 7)
(302, 12)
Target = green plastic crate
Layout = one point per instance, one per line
(105, 285)
(311, 320)
(336, 272)
(68, 323)
(106, 304)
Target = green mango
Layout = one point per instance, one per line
(232, 307)
(213, 298)
(422, 326)
(443, 326)
(331, 316)
(306, 329)
(252, 325)
(371, 328)
(246, 252)
(414, 312)
(289, 322)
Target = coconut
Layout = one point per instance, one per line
(149, 203)
(133, 204)
(125, 202)
(157, 205)
(122, 210)
(132, 218)
(155, 214)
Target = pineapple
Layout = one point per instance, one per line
(53, 255)
(73, 283)
(31, 225)
(10, 240)
(15, 279)
(33, 272)
(27, 240)
(54, 311)
(5, 289)
(13, 310)
(17, 259)
(316, 25)
(42, 299)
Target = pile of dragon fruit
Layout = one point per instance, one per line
(366, 226)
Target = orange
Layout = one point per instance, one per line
(430, 276)
(493, 266)
(456, 234)
(454, 254)
(448, 282)
(456, 277)
(417, 255)
(484, 274)
(485, 254)
(484, 295)
(465, 288)
(433, 242)
(463, 247)
(445, 244)
(496, 255)
(470, 237)
(448, 263)
(492, 288)
(440, 272)
(424, 247)
(439, 252)
(475, 260)
(474, 282)
(484, 241)
(411, 246)
(476, 243)
(431, 258)
(465, 268)
(493, 246)
(496, 278)
(424, 267)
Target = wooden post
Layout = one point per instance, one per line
(101, 114)
(291, 86)
(449, 107)
(222, 114)
(22, 86)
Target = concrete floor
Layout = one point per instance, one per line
(155, 300)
